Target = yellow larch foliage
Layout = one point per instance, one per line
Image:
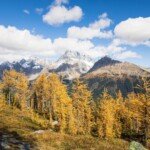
(40, 88)
(15, 87)
(81, 98)
(108, 122)
(138, 110)
(2, 96)
(60, 105)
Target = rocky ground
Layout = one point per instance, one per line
(11, 141)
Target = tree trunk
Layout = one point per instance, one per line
(9, 98)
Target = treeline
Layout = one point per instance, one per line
(78, 113)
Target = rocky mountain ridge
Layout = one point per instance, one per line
(114, 76)
(28, 67)
(73, 64)
(70, 65)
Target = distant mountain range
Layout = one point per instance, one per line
(29, 67)
(70, 65)
(105, 73)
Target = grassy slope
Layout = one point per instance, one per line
(24, 124)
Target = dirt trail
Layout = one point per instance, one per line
(9, 141)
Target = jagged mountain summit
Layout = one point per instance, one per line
(114, 76)
(104, 61)
(72, 64)
(28, 67)
(112, 67)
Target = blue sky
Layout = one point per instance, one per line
(25, 32)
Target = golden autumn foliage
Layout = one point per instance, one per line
(40, 94)
(138, 112)
(108, 121)
(60, 105)
(81, 98)
(51, 100)
(15, 88)
(77, 113)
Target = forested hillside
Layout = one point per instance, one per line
(75, 114)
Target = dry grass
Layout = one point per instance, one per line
(51, 140)
(24, 123)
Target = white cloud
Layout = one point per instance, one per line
(59, 2)
(58, 15)
(127, 54)
(134, 31)
(114, 50)
(94, 30)
(111, 49)
(87, 33)
(26, 11)
(10, 55)
(102, 23)
(62, 44)
(22, 43)
(16, 43)
(39, 10)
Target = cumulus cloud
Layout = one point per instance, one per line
(94, 30)
(102, 23)
(15, 41)
(111, 49)
(58, 15)
(87, 33)
(114, 50)
(16, 44)
(62, 44)
(127, 54)
(10, 55)
(26, 11)
(134, 31)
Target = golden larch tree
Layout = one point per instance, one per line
(60, 105)
(15, 88)
(108, 122)
(81, 98)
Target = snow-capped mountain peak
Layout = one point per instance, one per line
(72, 57)
(29, 67)
(72, 64)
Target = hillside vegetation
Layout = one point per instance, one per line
(23, 125)
(44, 115)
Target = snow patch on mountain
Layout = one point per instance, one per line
(72, 64)
(28, 67)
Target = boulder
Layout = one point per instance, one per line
(136, 146)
